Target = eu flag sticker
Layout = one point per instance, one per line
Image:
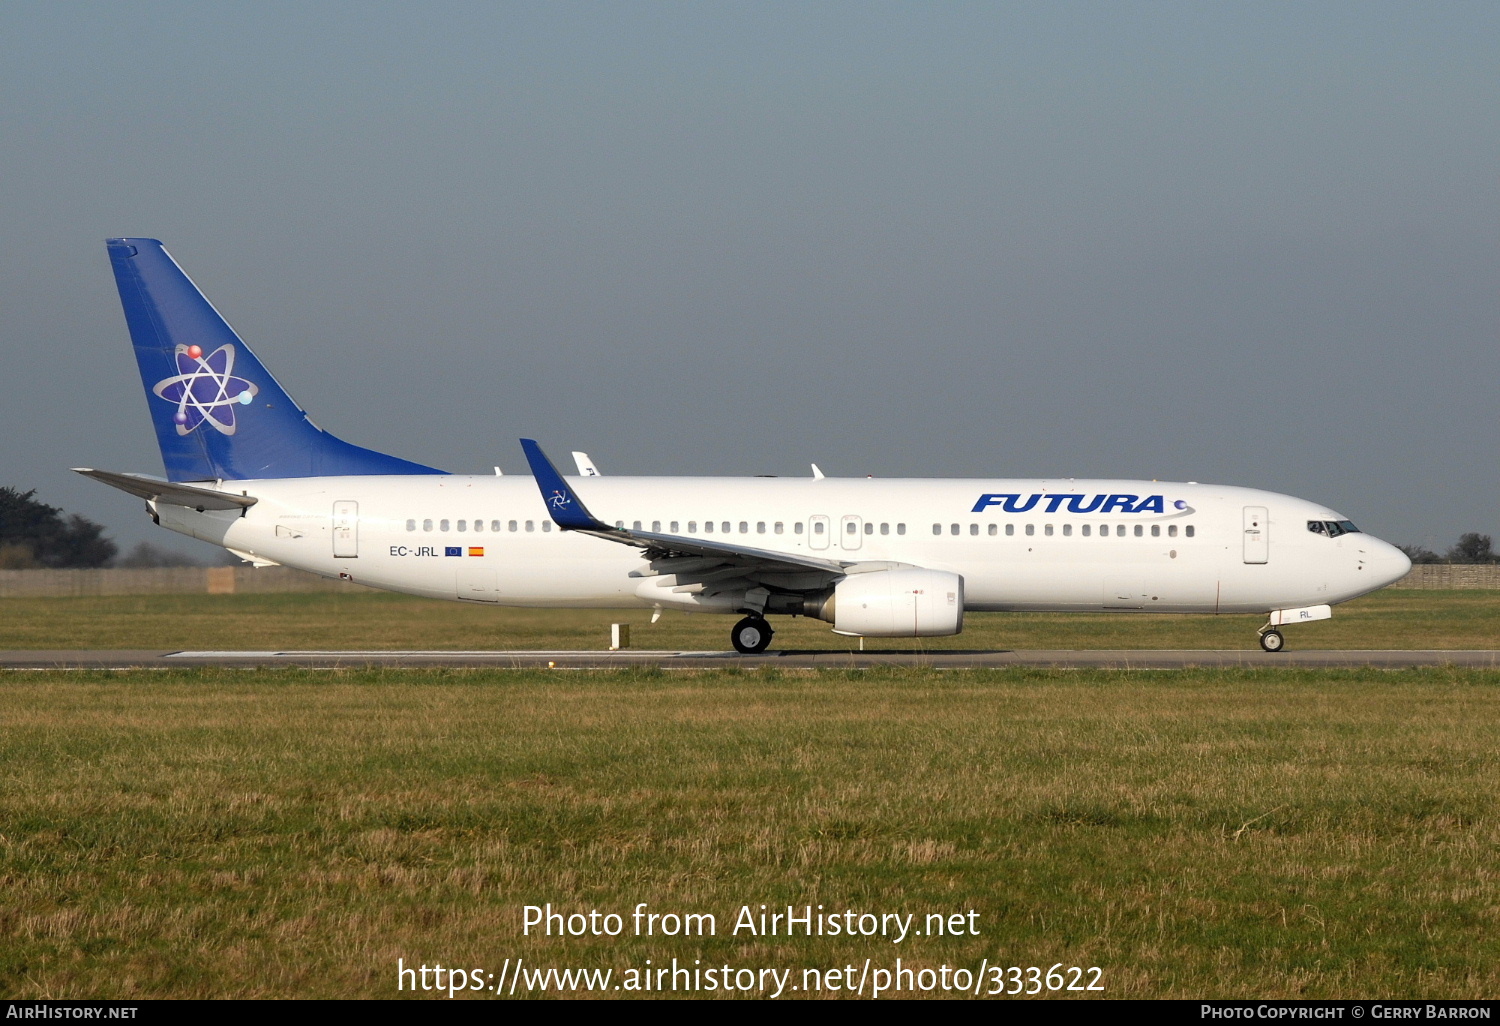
(476, 550)
(453, 550)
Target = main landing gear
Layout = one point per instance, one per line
(1271, 639)
(752, 635)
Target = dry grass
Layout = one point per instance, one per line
(290, 833)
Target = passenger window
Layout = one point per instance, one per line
(869, 528)
(531, 525)
(851, 528)
(818, 527)
(900, 528)
(760, 527)
(973, 529)
(1068, 530)
(708, 527)
(1156, 530)
(995, 529)
(656, 526)
(1139, 531)
(495, 526)
(511, 526)
(1188, 530)
(463, 525)
(619, 525)
(674, 527)
(1172, 531)
(744, 527)
(692, 527)
(635, 525)
(479, 525)
(1030, 530)
(1010, 530)
(1047, 530)
(937, 528)
(724, 527)
(885, 528)
(777, 529)
(443, 525)
(411, 525)
(952, 528)
(797, 527)
(546, 525)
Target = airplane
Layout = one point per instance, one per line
(246, 469)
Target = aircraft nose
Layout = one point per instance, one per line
(1386, 563)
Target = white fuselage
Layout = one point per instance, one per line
(1196, 548)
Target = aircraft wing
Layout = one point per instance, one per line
(570, 514)
(178, 494)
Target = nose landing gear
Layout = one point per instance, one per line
(752, 635)
(1271, 639)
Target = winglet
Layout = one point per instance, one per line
(567, 509)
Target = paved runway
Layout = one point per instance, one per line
(1126, 659)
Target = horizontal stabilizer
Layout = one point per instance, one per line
(157, 490)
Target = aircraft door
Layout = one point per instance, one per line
(850, 531)
(1257, 534)
(346, 528)
(817, 532)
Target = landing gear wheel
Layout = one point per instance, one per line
(1272, 641)
(751, 636)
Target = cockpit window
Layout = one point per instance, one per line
(1332, 528)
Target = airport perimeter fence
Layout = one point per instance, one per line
(177, 580)
(1451, 577)
(244, 580)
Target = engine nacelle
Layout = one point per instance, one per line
(899, 604)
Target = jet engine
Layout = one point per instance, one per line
(894, 604)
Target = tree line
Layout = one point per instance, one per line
(36, 536)
(1471, 548)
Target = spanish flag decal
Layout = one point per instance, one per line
(476, 550)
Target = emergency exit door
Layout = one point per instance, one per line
(346, 528)
(850, 536)
(1257, 534)
(817, 532)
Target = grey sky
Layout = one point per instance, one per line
(1249, 243)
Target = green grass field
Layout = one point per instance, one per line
(1386, 619)
(289, 833)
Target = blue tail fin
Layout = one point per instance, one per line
(218, 413)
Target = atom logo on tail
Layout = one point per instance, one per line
(205, 389)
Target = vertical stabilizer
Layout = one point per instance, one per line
(218, 413)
